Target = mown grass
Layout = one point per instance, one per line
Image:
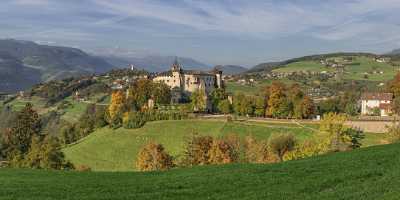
(368, 174)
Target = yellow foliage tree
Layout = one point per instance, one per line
(153, 157)
(116, 106)
(222, 152)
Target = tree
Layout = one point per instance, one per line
(161, 93)
(281, 144)
(46, 154)
(225, 106)
(217, 96)
(153, 157)
(278, 105)
(260, 107)
(199, 100)
(257, 151)
(307, 107)
(336, 133)
(17, 139)
(116, 108)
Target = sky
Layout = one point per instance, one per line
(242, 32)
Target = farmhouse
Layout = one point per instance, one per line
(184, 82)
(376, 102)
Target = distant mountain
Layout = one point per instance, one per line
(24, 63)
(394, 52)
(155, 63)
(231, 69)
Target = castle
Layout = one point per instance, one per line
(184, 82)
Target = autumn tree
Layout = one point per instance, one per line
(307, 107)
(153, 157)
(116, 108)
(257, 151)
(281, 144)
(223, 152)
(197, 150)
(199, 100)
(278, 104)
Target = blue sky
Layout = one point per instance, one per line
(243, 32)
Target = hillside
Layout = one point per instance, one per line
(369, 174)
(116, 150)
(269, 66)
(32, 63)
(231, 69)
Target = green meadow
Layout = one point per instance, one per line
(368, 173)
(116, 150)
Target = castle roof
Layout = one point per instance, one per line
(377, 96)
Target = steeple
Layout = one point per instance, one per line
(176, 66)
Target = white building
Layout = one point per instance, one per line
(184, 82)
(371, 102)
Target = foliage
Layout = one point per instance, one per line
(217, 96)
(46, 154)
(281, 144)
(199, 101)
(116, 108)
(196, 151)
(393, 133)
(257, 151)
(152, 157)
(17, 139)
(133, 120)
(223, 151)
(225, 106)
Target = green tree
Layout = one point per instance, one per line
(225, 106)
(17, 139)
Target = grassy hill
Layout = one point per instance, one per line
(369, 174)
(116, 150)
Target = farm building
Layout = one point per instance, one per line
(372, 103)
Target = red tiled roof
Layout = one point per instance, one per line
(377, 96)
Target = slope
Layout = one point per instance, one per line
(369, 174)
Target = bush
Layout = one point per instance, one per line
(133, 120)
(281, 144)
(197, 150)
(308, 148)
(257, 151)
(223, 152)
(152, 157)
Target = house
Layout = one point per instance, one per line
(184, 82)
(376, 102)
(381, 59)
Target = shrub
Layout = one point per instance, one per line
(308, 148)
(197, 150)
(152, 157)
(222, 152)
(257, 151)
(281, 144)
(133, 120)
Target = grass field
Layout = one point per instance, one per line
(368, 174)
(116, 150)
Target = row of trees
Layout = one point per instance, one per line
(332, 136)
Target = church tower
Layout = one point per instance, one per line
(177, 74)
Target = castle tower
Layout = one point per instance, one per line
(218, 78)
(177, 74)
